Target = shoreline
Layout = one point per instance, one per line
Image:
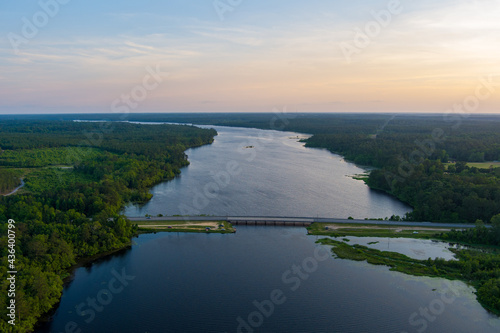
(393, 260)
(370, 230)
(219, 227)
(398, 262)
(401, 263)
(200, 228)
(81, 262)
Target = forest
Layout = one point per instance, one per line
(78, 178)
(424, 163)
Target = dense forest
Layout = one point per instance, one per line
(412, 159)
(78, 178)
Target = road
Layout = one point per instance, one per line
(16, 189)
(292, 220)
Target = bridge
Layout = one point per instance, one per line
(282, 221)
(299, 221)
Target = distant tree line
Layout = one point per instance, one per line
(412, 166)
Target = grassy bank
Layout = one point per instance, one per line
(221, 227)
(398, 262)
(477, 267)
(479, 165)
(370, 230)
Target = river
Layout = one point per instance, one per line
(252, 172)
(262, 279)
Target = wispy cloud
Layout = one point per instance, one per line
(428, 55)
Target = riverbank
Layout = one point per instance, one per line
(396, 261)
(370, 230)
(220, 227)
(69, 276)
(188, 266)
(52, 214)
(477, 267)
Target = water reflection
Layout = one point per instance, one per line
(278, 177)
(205, 282)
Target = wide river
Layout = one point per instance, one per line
(262, 279)
(277, 177)
(183, 283)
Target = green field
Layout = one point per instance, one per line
(45, 168)
(484, 165)
(479, 165)
(370, 230)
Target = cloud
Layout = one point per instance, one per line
(430, 53)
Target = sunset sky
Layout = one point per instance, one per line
(251, 56)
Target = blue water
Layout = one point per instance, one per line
(277, 177)
(205, 282)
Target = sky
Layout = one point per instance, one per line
(76, 56)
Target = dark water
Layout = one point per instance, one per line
(205, 282)
(277, 177)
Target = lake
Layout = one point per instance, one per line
(261, 279)
(252, 172)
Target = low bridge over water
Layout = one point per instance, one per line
(283, 221)
(298, 221)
